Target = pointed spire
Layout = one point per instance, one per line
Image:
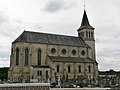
(85, 22)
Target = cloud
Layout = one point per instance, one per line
(3, 18)
(108, 53)
(4, 62)
(53, 6)
(28, 26)
(106, 63)
(107, 39)
(57, 5)
(4, 54)
(5, 26)
(7, 33)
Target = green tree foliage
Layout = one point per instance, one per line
(4, 73)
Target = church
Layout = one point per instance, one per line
(36, 55)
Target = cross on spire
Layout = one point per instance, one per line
(84, 5)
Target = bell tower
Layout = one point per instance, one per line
(86, 32)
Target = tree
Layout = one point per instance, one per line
(4, 73)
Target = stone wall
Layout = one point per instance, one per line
(25, 86)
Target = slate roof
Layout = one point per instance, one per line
(85, 22)
(45, 38)
(38, 66)
(70, 59)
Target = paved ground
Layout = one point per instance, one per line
(80, 89)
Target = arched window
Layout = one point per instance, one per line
(79, 68)
(26, 56)
(69, 69)
(89, 69)
(38, 73)
(92, 34)
(39, 57)
(87, 34)
(47, 75)
(17, 56)
(57, 68)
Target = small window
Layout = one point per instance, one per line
(40, 73)
(89, 69)
(87, 34)
(64, 51)
(69, 69)
(53, 50)
(83, 52)
(79, 68)
(74, 52)
(47, 74)
(57, 68)
(92, 34)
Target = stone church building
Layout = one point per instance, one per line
(36, 55)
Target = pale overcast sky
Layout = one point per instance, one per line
(63, 17)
